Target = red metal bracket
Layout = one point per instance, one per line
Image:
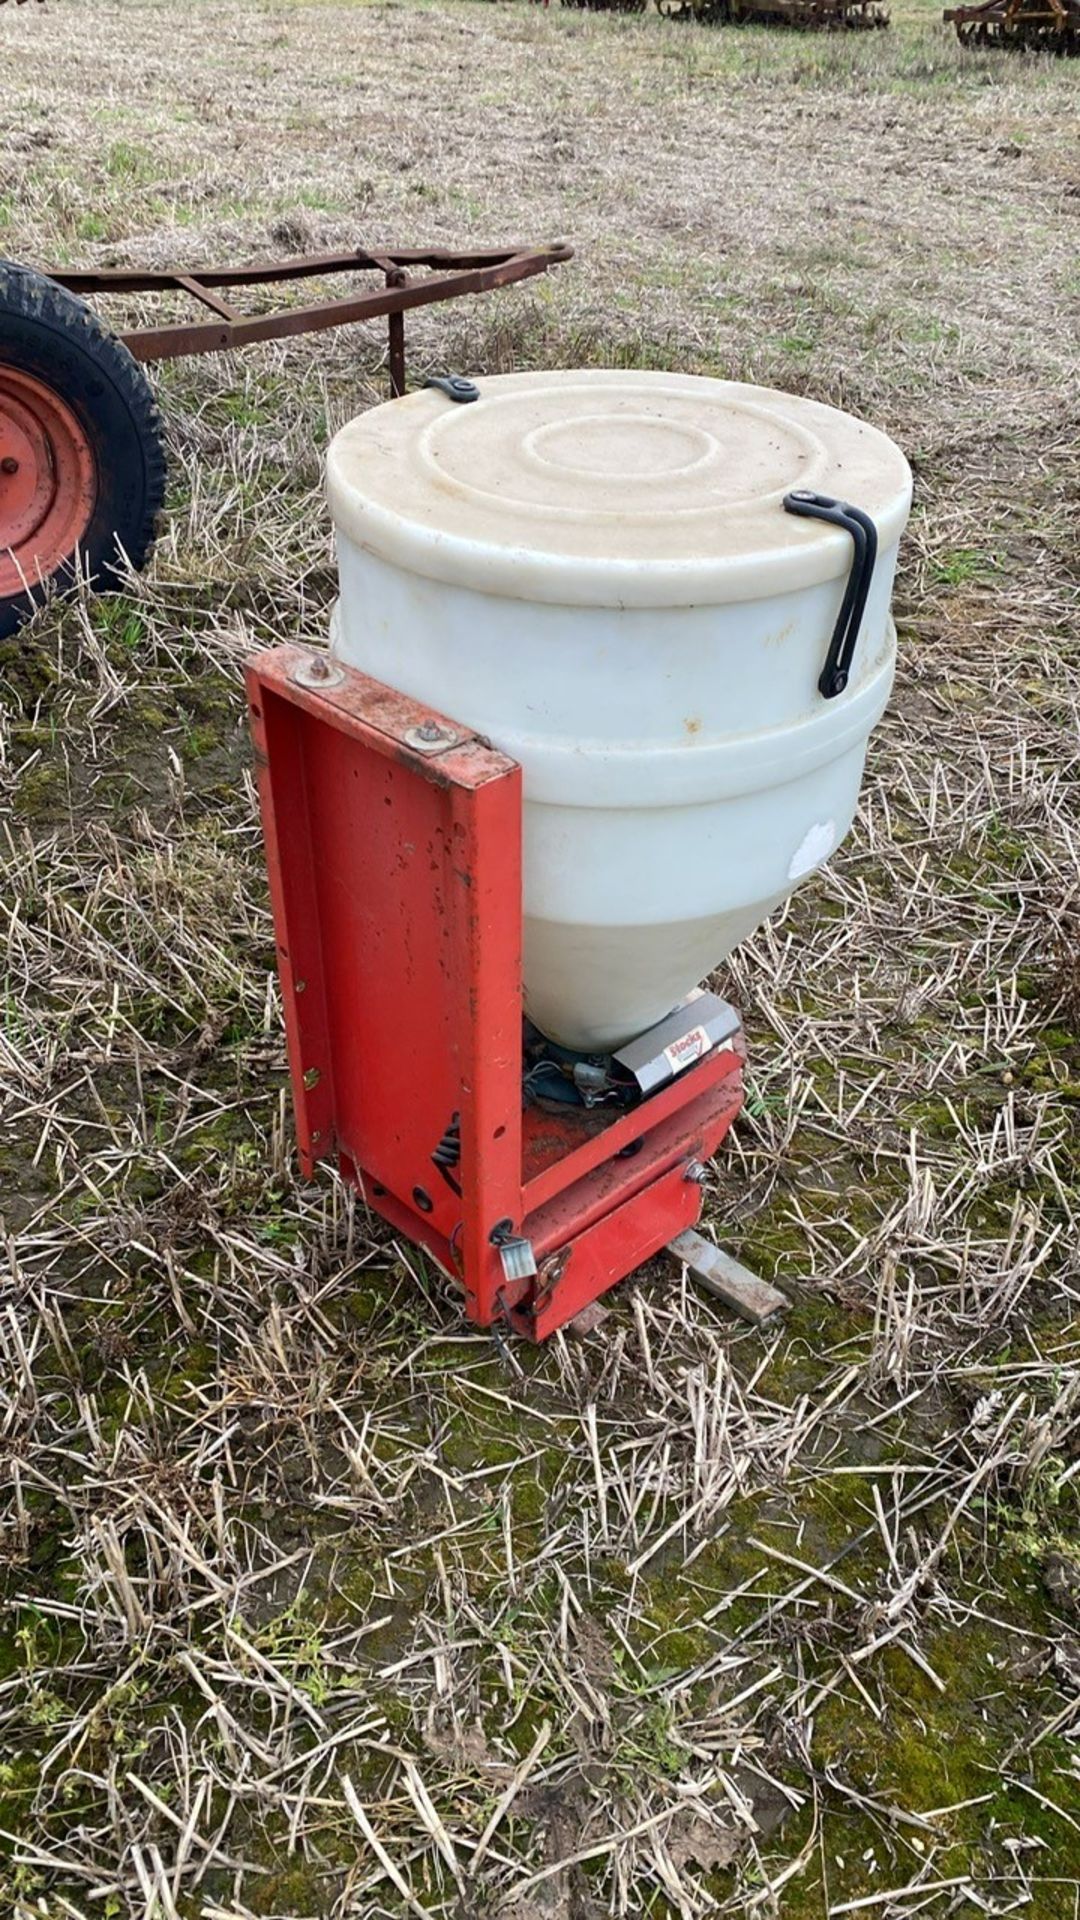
(393, 842)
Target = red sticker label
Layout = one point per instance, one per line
(683, 1052)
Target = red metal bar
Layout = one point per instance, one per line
(276, 727)
(485, 965)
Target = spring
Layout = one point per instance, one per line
(448, 1152)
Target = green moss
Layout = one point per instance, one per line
(296, 1890)
(841, 1505)
(938, 1747)
(530, 1501)
(199, 741)
(815, 1324)
(673, 1598)
(26, 673)
(212, 699)
(42, 793)
(147, 716)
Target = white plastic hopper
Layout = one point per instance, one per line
(597, 570)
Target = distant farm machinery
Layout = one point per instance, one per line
(607, 6)
(810, 15)
(1044, 26)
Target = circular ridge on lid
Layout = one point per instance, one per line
(611, 488)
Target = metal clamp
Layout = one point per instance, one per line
(819, 506)
(515, 1252)
(455, 386)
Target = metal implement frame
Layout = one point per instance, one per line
(393, 844)
(805, 15)
(1050, 25)
(452, 276)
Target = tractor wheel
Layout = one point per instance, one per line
(82, 465)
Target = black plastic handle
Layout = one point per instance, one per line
(455, 386)
(820, 506)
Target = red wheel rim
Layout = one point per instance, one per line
(48, 482)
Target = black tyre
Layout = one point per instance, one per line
(82, 464)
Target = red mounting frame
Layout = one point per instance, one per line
(395, 880)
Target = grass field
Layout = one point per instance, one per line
(316, 1604)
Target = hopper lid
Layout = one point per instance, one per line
(611, 488)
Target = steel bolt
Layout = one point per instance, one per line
(318, 671)
(696, 1171)
(9, 465)
(428, 737)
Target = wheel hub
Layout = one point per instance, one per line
(48, 481)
